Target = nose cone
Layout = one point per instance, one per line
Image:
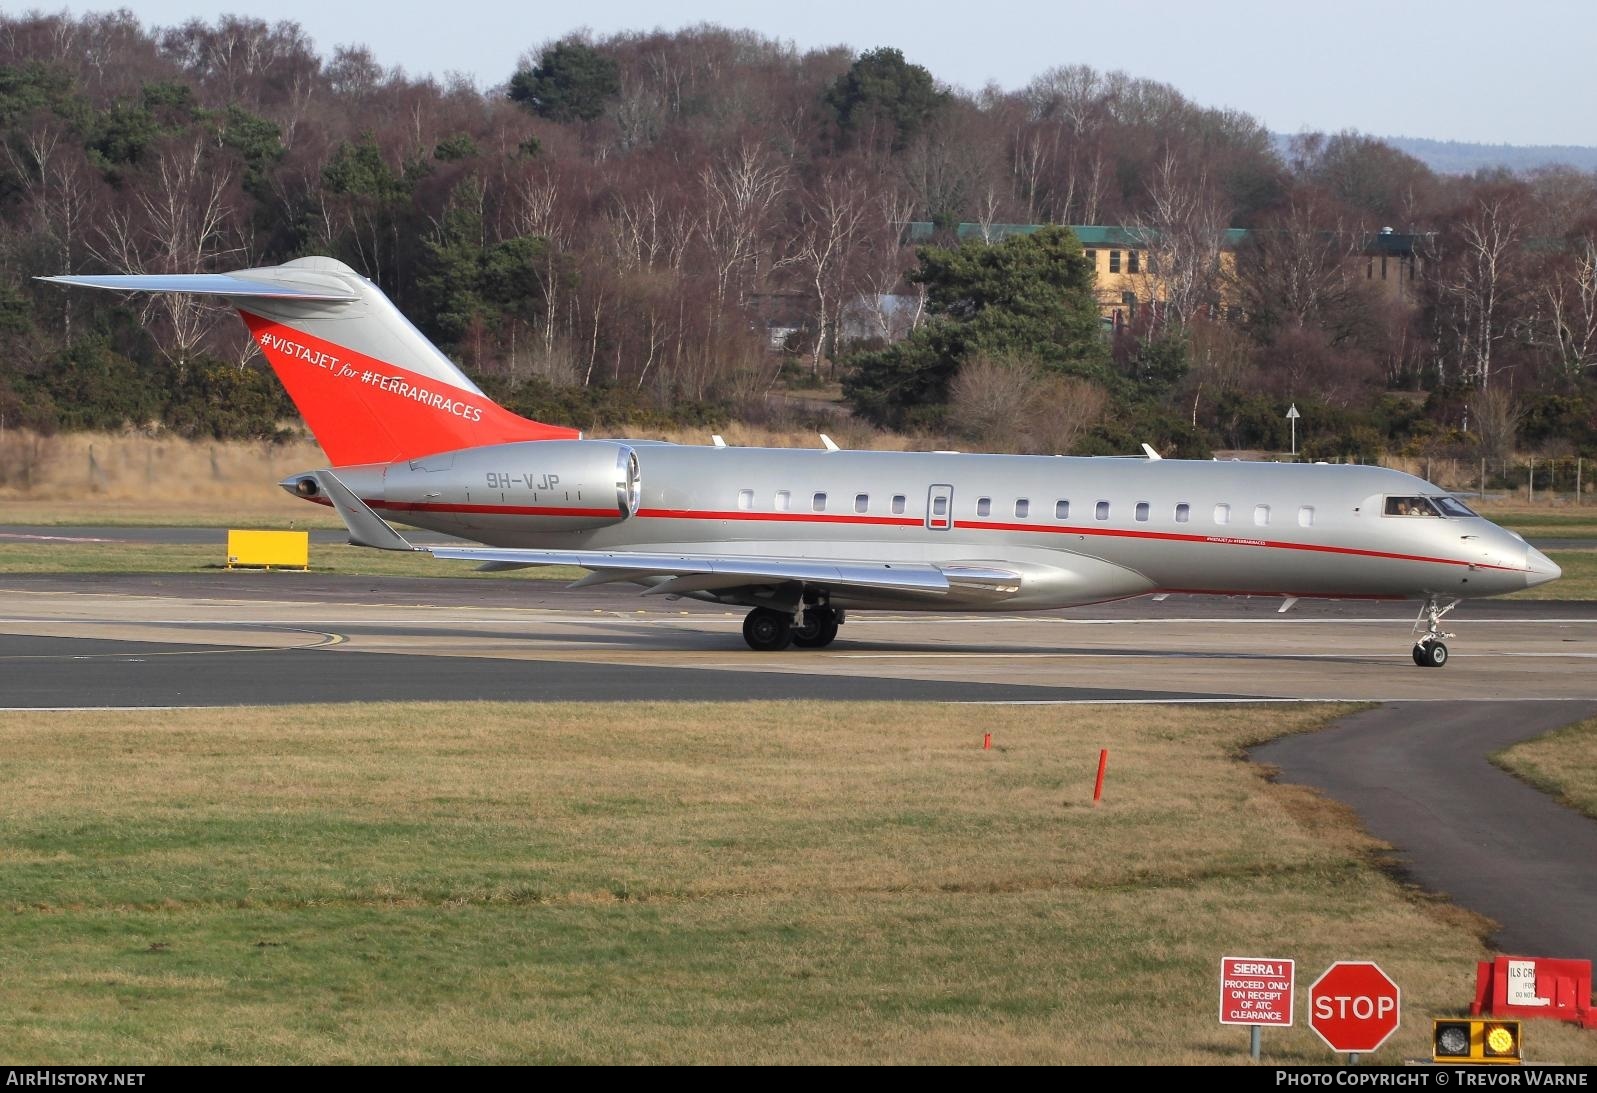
(1539, 568)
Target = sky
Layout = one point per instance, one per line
(1489, 71)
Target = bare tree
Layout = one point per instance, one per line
(1300, 272)
(1011, 403)
(1182, 232)
(1476, 283)
(178, 226)
(58, 189)
(830, 220)
(1496, 416)
(1570, 294)
(740, 196)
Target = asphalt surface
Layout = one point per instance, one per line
(54, 673)
(1419, 778)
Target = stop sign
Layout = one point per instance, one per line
(1354, 1006)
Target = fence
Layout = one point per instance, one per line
(1528, 479)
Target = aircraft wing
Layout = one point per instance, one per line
(703, 572)
(683, 572)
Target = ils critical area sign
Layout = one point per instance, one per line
(1255, 990)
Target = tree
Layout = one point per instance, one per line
(1479, 280)
(1011, 403)
(1569, 294)
(1030, 294)
(570, 82)
(1182, 232)
(830, 223)
(882, 93)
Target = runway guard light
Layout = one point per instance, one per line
(1474, 1041)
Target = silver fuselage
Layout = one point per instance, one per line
(1076, 530)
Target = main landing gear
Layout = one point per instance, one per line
(1429, 651)
(768, 630)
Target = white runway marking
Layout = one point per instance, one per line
(1178, 653)
(1238, 701)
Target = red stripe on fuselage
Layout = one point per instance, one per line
(1232, 540)
(904, 521)
(492, 510)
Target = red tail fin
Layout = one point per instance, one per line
(370, 386)
(363, 410)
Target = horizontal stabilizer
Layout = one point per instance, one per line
(208, 284)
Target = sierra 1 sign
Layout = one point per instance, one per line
(1255, 990)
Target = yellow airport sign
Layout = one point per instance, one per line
(269, 548)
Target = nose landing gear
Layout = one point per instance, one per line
(1429, 650)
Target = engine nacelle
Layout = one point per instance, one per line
(536, 485)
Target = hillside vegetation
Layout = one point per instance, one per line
(659, 229)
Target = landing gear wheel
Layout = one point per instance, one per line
(817, 630)
(768, 631)
(1430, 654)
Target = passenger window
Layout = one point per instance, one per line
(984, 506)
(1183, 512)
(818, 502)
(1306, 516)
(940, 506)
(862, 502)
(1061, 510)
(745, 499)
(784, 500)
(1261, 515)
(898, 504)
(1022, 508)
(1222, 513)
(1103, 510)
(1142, 512)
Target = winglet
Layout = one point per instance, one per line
(366, 528)
(831, 445)
(1148, 450)
(718, 440)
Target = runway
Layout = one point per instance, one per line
(1414, 768)
(249, 637)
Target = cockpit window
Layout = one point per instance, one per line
(1410, 506)
(1452, 506)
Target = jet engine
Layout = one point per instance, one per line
(530, 486)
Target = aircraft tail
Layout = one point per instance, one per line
(371, 387)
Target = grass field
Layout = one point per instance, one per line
(1563, 763)
(47, 557)
(1579, 581)
(761, 882)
